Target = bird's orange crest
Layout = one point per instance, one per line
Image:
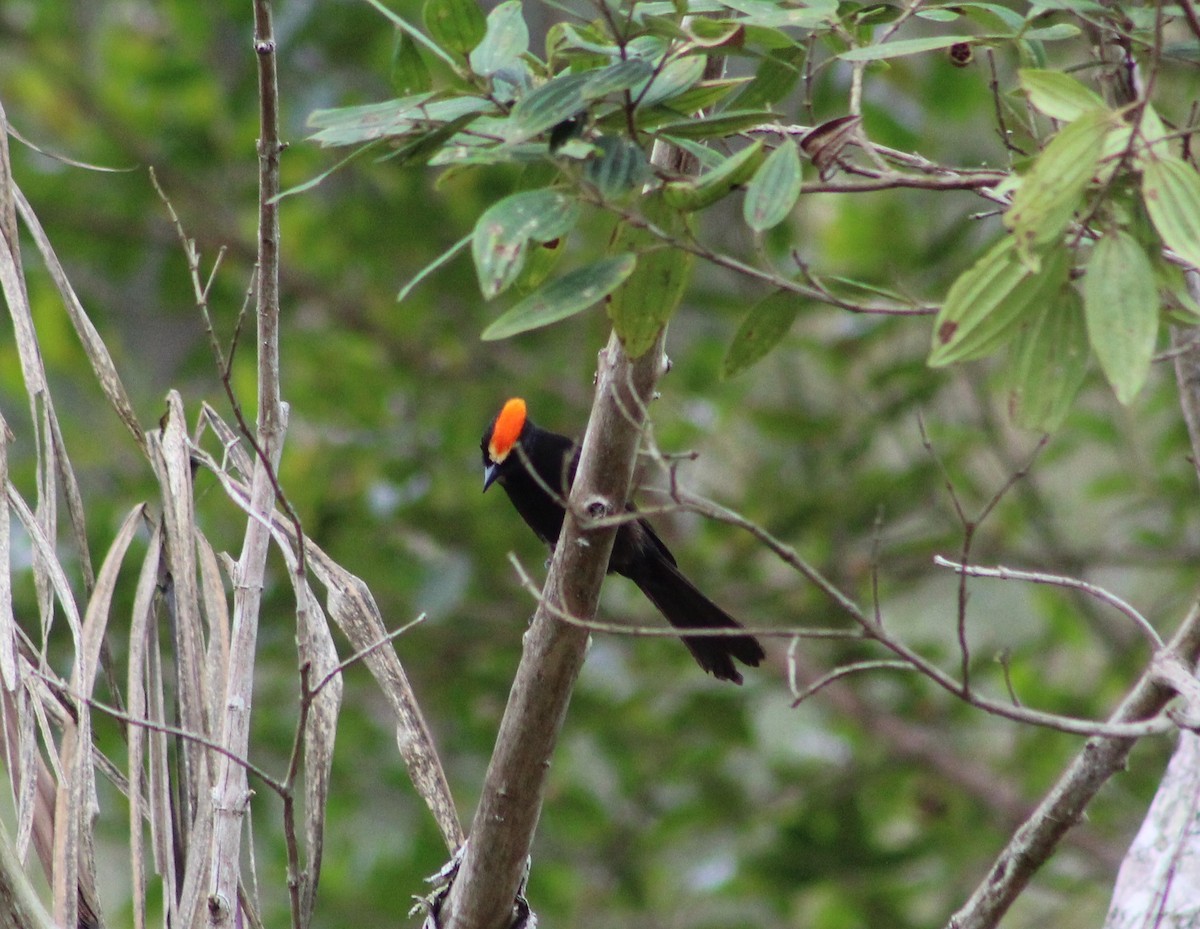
(507, 430)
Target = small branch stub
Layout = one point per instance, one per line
(598, 508)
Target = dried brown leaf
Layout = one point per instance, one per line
(138, 688)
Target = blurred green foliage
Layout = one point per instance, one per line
(674, 800)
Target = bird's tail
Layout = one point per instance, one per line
(685, 607)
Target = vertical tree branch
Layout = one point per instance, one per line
(230, 790)
(502, 833)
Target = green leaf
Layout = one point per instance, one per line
(939, 15)
(545, 107)
(762, 329)
(624, 75)
(1053, 189)
(1054, 33)
(645, 303)
(410, 74)
(582, 38)
(698, 97)
(719, 124)
(474, 154)
(455, 24)
(392, 119)
(1078, 7)
(671, 8)
(440, 260)
(676, 77)
(777, 74)
(767, 38)
(416, 34)
(874, 14)
(620, 168)
(502, 233)
(314, 181)
(708, 158)
(1153, 135)
(810, 15)
(419, 148)
(990, 300)
(563, 297)
(506, 40)
(540, 261)
(1047, 363)
(992, 16)
(349, 125)
(905, 47)
(1059, 95)
(712, 186)
(1178, 300)
(775, 188)
(1171, 190)
(1120, 300)
(704, 32)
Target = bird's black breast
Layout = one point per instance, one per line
(555, 459)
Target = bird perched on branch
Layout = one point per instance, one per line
(512, 444)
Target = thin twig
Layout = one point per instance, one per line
(930, 670)
(721, 260)
(837, 674)
(364, 652)
(661, 632)
(225, 364)
(1054, 580)
(153, 726)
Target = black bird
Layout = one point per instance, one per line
(638, 553)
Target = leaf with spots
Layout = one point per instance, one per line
(1171, 190)
(1053, 189)
(503, 232)
(991, 299)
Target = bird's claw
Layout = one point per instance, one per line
(523, 915)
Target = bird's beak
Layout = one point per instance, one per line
(490, 473)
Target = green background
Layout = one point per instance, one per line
(674, 800)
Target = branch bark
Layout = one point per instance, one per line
(230, 790)
(502, 833)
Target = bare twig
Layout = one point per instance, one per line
(661, 632)
(365, 652)
(225, 363)
(778, 281)
(837, 674)
(230, 789)
(151, 725)
(926, 667)
(1055, 580)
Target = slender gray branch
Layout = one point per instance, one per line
(483, 894)
(1056, 580)
(230, 790)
